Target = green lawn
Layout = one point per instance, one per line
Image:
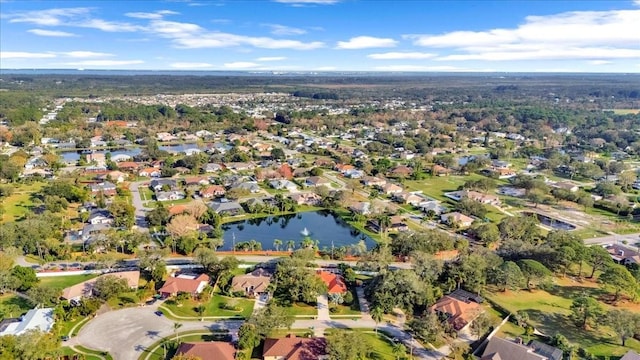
(548, 312)
(436, 186)
(353, 309)
(62, 282)
(19, 203)
(380, 345)
(70, 352)
(301, 309)
(124, 300)
(13, 306)
(188, 308)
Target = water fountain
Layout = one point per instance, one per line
(305, 232)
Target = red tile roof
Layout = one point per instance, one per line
(295, 348)
(175, 285)
(335, 283)
(460, 312)
(215, 350)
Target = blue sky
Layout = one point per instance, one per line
(322, 35)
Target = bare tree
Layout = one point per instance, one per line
(197, 209)
(182, 225)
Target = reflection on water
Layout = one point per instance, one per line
(288, 228)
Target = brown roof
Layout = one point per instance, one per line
(85, 288)
(215, 350)
(258, 280)
(175, 285)
(460, 312)
(295, 348)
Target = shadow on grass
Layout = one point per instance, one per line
(572, 292)
(554, 323)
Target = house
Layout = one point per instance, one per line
(100, 216)
(499, 164)
(362, 208)
(105, 188)
(212, 191)
(35, 319)
(401, 171)
(502, 173)
(623, 255)
(203, 133)
(159, 184)
(211, 167)
(117, 176)
(373, 181)
(316, 181)
(196, 181)
(306, 199)
(294, 348)
(344, 168)
(164, 136)
(396, 224)
(354, 174)
(503, 349)
(150, 172)
(90, 231)
(548, 351)
(253, 284)
(190, 284)
(210, 350)
(473, 195)
(250, 186)
(335, 283)
(460, 308)
(432, 205)
(283, 185)
(408, 198)
(226, 208)
(85, 288)
(439, 170)
(240, 166)
(631, 355)
(129, 166)
(97, 158)
(170, 195)
(456, 218)
(118, 158)
(566, 185)
(389, 189)
(285, 171)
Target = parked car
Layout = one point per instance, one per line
(159, 313)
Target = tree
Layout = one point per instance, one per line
(44, 295)
(427, 327)
(618, 278)
(109, 286)
(208, 259)
(25, 277)
(533, 271)
(623, 322)
(152, 262)
(598, 258)
(480, 325)
(270, 318)
(158, 216)
(176, 326)
(377, 314)
(277, 243)
(197, 209)
(347, 345)
(488, 233)
(508, 276)
(585, 310)
(399, 350)
(181, 225)
(627, 179)
(536, 196)
(248, 336)
(123, 214)
(278, 154)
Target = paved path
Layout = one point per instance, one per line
(323, 307)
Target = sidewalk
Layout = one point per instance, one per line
(323, 307)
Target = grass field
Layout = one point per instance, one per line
(302, 309)
(212, 308)
(61, 282)
(19, 203)
(380, 346)
(624, 111)
(548, 312)
(12, 306)
(436, 186)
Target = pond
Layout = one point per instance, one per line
(73, 155)
(552, 222)
(324, 226)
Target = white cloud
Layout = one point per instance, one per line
(190, 65)
(365, 42)
(283, 30)
(402, 56)
(150, 15)
(104, 63)
(109, 26)
(271, 58)
(85, 54)
(49, 17)
(308, 2)
(571, 35)
(241, 65)
(600, 62)
(25, 55)
(51, 33)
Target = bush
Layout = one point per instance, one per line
(348, 298)
(333, 309)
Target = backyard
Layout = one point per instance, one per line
(13, 306)
(62, 282)
(548, 312)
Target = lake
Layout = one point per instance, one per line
(74, 155)
(323, 226)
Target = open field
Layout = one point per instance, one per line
(624, 111)
(548, 312)
(12, 306)
(61, 282)
(19, 203)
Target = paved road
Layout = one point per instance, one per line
(631, 239)
(141, 210)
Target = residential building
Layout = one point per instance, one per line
(97, 158)
(196, 181)
(335, 283)
(283, 185)
(306, 198)
(85, 288)
(105, 188)
(397, 224)
(623, 255)
(433, 205)
(458, 218)
(315, 181)
(210, 350)
(129, 166)
(362, 208)
(170, 195)
(373, 181)
(150, 172)
(211, 167)
(503, 349)
(408, 198)
(212, 191)
(159, 184)
(190, 284)
(226, 208)
(250, 186)
(389, 189)
(100, 216)
(474, 195)
(459, 307)
(90, 231)
(295, 348)
(35, 319)
(253, 284)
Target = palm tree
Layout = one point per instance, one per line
(399, 350)
(176, 326)
(377, 314)
(201, 308)
(291, 244)
(276, 244)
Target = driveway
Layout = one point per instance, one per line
(136, 201)
(323, 307)
(126, 333)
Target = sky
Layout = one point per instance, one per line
(322, 35)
